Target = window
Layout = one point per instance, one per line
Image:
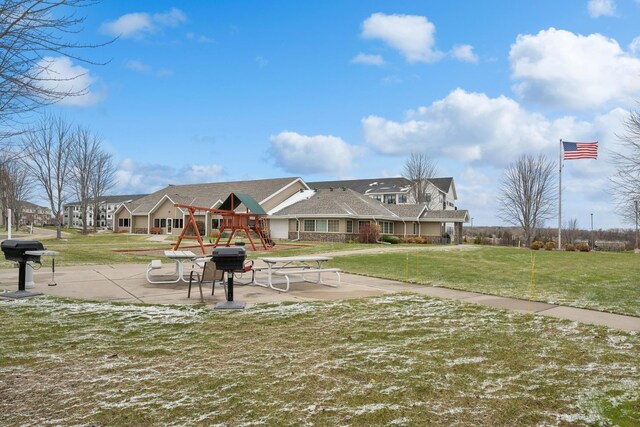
(156, 222)
(427, 198)
(402, 198)
(309, 225)
(415, 228)
(362, 224)
(349, 226)
(390, 199)
(378, 197)
(386, 227)
(163, 222)
(178, 223)
(215, 223)
(321, 225)
(123, 222)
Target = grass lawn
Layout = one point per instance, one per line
(603, 281)
(402, 360)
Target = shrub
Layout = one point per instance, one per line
(550, 245)
(583, 247)
(214, 233)
(569, 247)
(156, 230)
(537, 245)
(389, 238)
(368, 233)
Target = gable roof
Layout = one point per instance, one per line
(337, 203)
(444, 185)
(367, 186)
(210, 194)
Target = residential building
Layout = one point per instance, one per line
(157, 212)
(440, 193)
(338, 214)
(35, 215)
(103, 218)
(296, 210)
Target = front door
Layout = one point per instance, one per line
(169, 225)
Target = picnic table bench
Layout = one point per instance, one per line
(294, 266)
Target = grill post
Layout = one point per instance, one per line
(22, 251)
(229, 259)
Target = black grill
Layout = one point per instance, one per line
(228, 259)
(14, 250)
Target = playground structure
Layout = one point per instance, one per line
(251, 220)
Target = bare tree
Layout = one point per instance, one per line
(101, 181)
(627, 161)
(418, 169)
(50, 149)
(526, 193)
(570, 230)
(84, 160)
(15, 188)
(33, 35)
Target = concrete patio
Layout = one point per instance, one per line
(127, 283)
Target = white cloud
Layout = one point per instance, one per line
(297, 153)
(367, 59)
(62, 76)
(134, 177)
(139, 66)
(464, 53)
(634, 46)
(563, 69)
(471, 127)
(138, 25)
(200, 38)
(262, 61)
(412, 35)
(599, 8)
(203, 173)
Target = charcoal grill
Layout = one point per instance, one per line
(23, 251)
(229, 259)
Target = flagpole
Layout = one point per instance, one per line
(560, 199)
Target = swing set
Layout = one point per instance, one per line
(251, 220)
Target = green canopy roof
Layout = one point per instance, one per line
(235, 199)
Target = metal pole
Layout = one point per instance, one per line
(593, 242)
(9, 224)
(560, 198)
(636, 224)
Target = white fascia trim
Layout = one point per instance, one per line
(285, 187)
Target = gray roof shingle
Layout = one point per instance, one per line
(207, 195)
(339, 203)
(367, 186)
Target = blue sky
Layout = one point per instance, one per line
(232, 90)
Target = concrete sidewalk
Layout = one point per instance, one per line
(127, 283)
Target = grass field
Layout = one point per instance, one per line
(603, 281)
(401, 360)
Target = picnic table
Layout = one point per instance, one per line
(179, 257)
(298, 266)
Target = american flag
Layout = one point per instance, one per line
(580, 150)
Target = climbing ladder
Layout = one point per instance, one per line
(261, 227)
